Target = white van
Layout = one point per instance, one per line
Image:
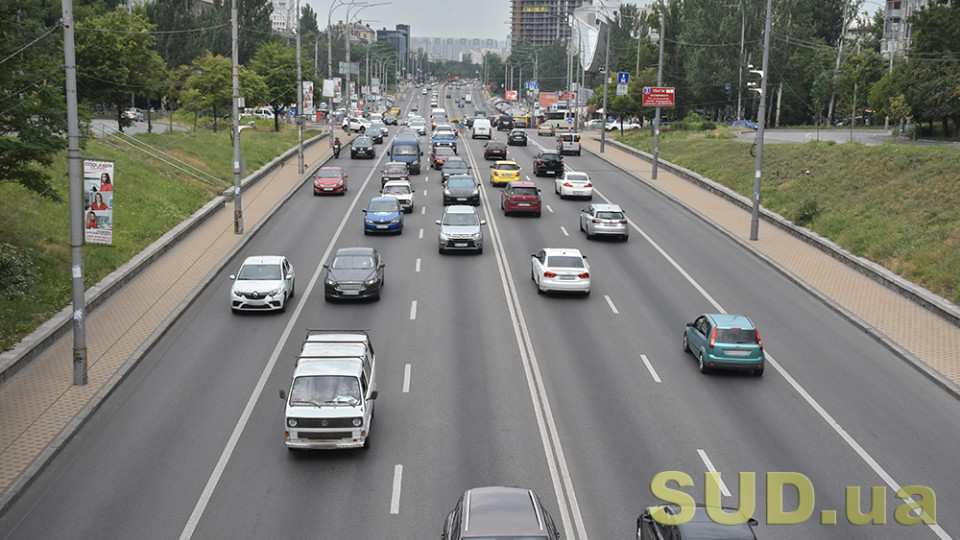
(262, 113)
(481, 128)
(333, 391)
(468, 98)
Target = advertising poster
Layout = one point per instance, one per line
(308, 105)
(98, 182)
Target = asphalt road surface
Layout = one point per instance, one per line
(484, 382)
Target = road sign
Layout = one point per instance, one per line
(569, 120)
(623, 78)
(622, 89)
(658, 96)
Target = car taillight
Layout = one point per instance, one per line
(539, 161)
(759, 341)
(583, 275)
(549, 274)
(588, 184)
(595, 220)
(567, 184)
(623, 221)
(713, 337)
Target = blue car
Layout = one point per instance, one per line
(723, 341)
(383, 215)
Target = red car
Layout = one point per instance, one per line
(329, 180)
(439, 156)
(495, 150)
(520, 197)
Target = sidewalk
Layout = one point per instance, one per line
(921, 337)
(40, 408)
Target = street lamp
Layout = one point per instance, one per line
(349, 37)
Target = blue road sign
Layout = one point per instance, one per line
(569, 120)
(728, 86)
(623, 78)
(610, 118)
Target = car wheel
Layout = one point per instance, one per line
(362, 129)
(758, 372)
(586, 292)
(686, 346)
(578, 152)
(536, 214)
(581, 225)
(703, 367)
(480, 251)
(283, 306)
(293, 287)
(442, 251)
(366, 232)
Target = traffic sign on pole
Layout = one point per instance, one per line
(658, 96)
(623, 78)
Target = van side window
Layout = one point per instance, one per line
(363, 384)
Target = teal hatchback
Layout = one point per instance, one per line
(723, 341)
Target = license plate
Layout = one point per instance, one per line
(567, 278)
(381, 226)
(737, 352)
(460, 244)
(523, 204)
(461, 198)
(351, 293)
(328, 189)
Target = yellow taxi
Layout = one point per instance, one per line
(503, 172)
(394, 110)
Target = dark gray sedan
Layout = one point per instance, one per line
(354, 273)
(461, 189)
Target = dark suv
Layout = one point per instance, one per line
(548, 162)
(499, 512)
(700, 526)
(505, 122)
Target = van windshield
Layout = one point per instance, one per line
(320, 390)
(405, 150)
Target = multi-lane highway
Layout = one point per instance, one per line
(484, 382)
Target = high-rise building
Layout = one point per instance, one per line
(897, 31)
(540, 22)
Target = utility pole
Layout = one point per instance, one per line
(656, 120)
(234, 51)
(75, 175)
(761, 116)
(299, 117)
(606, 83)
(743, 26)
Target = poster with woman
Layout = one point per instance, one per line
(98, 182)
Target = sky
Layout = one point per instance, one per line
(431, 18)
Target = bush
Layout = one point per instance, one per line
(693, 122)
(17, 272)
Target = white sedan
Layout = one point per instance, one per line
(627, 126)
(560, 269)
(574, 184)
(264, 283)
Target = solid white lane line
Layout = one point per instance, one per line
(406, 378)
(418, 264)
(549, 209)
(420, 235)
(395, 497)
(413, 310)
(564, 230)
(711, 468)
(217, 473)
(652, 371)
(613, 308)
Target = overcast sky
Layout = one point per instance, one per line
(432, 18)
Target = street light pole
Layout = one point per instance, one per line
(606, 83)
(761, 120)
(299, 116)
(237, 207)
(656, 120)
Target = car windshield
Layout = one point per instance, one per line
(454, 165)
(609, 215)
(736, 335)
(565, 261)
(508, 167)
(377, 125)
(461, 219)
(395, 168)
(550, 157)
(461, 182)
(261, 272)
(322, 390)
(405, 150)
(383, 206)
(353, 261)
(328, 173)
(361, 141)
(580, 177)
(444, 151)
(524, 191)
(396, 190)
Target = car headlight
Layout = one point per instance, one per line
(329, 281)
(292, 422)
(274, 292)
(476, 235)
(392, 221)
(444, 237)
(357, 422)
(368, 220)
(237, 292)
(372, 281)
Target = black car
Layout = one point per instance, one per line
(362, 147)
(356, 272)
(390, 119)
(453, 165)
(504, 122)
(548, 162)
(517, 137)
(461, 189)
(495, 150)
(700, 526)
(499, 512)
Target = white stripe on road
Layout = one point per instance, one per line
(564, 230)
(424, 193)
(652, 371)
(395, 498)
(711, 468)
(423, 209)
(406, 379)
(549, 209)
(609, 301)
(421, 234)
(413, 310)
(418, 265)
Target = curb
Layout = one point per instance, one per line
(33, 344)
(812, 238)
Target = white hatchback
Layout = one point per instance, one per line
(574, 184)
(264, 283)
(560, 269)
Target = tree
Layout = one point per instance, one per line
(209, 86)
(33, 115)
(276, 63)
(115, 57)
(308, 21)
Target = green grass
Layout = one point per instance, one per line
(896, 205)
(151, 198)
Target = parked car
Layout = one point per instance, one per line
(616, 125)
(264, 283)
(383, 214)
(699, 526)
(355, 272)
(520, 197)
(329, 180)
(548, 162)
(724, 341)
(604, 220)
(495, 150)
(460, 229)
(461, 189)
(362, 146)
(560, 269)
(501, 513)
(135, 114)
(504, 171)
(517, 137)
(574, 184)
(402, 191)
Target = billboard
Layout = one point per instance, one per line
(657, 96)
(511, 95)
(98, 182)
(308, 105)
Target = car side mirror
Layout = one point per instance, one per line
(283, 394)
(753, 522)
(364, 210)
(325, 265)
(438, 222)
(289, 276)
(233, 276)
(690, 324)
(373, 394)
(483, 222)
